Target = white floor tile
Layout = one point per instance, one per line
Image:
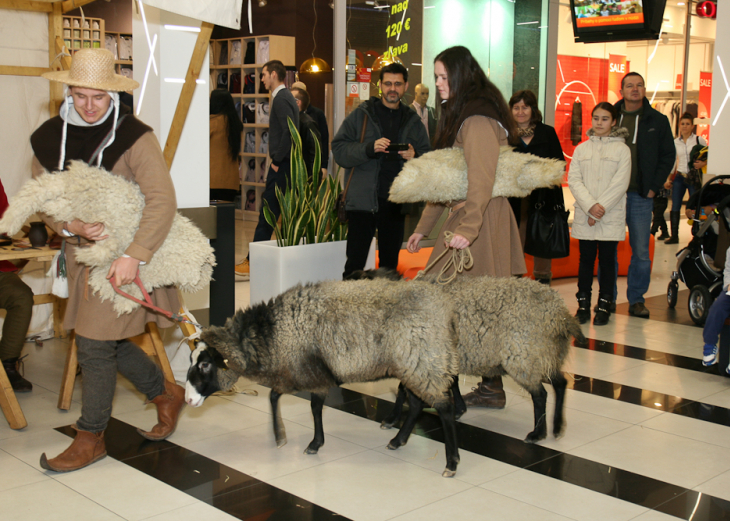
(659, 455)
(196, 512)
(253, 451)
(477, 503)
(133, 496)
(16, 473)
(562, 498)
(51, 501)
(393, 488)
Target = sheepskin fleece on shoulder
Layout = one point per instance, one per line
(92, 194)
(440, 176)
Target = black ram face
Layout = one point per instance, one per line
(203, 374)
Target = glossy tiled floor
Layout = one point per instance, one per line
(648, 438)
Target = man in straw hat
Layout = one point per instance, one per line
(94, 127)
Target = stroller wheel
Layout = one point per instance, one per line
(672, 290)
(699, 304)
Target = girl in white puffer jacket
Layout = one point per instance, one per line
(599, 175)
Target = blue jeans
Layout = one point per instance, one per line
(638, 219)
(719, 311)
(679, 186)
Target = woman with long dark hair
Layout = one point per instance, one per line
(536, 138)
(225, 146)
(475, 117)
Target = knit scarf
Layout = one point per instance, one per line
(526, 132)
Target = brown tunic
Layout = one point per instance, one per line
(223, 168)
(144, 164)
(488, 223)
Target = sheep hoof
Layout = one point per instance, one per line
(394, 446)
(534, 437)
(310, 450)
(386, 425)
(559, 433)
(280, 443)
(448, 473)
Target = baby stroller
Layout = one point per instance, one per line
(694, 267)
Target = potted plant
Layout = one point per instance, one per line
(310, 240)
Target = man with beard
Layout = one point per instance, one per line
(374, 142)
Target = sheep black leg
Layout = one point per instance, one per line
(539, 403)
(318, 441)
(459, 404)
(448, 422)
(279, 430)
(559, 384)
(394, 416)
(415, 406)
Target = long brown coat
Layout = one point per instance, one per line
(144, 164)
(488, 223)
(223, 168)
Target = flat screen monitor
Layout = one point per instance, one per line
(616, 20)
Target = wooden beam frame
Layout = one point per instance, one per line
(186, 96)
(13, 70)
(70, 5)
(26, 5)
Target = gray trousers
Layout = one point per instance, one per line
(99, 361)
(17, 299)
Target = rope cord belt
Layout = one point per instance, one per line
(460, 260)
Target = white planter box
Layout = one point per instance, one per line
(275, 270)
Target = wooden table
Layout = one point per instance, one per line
(8, 401)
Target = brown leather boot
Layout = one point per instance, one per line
(489, 393)
(169, 404)
(86, 448)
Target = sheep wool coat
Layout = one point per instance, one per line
(487, 222)
(600, 173)
(90, 314)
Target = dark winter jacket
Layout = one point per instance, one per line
(309, 132)
(321, 120)
(654, 148)
(544, 143)
(349, 152)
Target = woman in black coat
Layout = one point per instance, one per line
(540, 140)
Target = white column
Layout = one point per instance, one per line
(719, 155)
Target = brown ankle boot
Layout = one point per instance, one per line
(86, 448)
(489, 393)
(169, 404)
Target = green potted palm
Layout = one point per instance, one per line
(310, 240)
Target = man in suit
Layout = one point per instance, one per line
(307, 129)
(283, 106)
(426, 113)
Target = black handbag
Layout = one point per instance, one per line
(548, 233)
(342, 197)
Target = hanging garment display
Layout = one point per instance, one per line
(249, 146)
(263, 53)
(264, 146)
(576, 123)
(262, 113)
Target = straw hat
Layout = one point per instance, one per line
(93, 69)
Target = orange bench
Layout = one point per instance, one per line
(409, 264)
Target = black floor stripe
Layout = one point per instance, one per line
(621, 484)
(222, 487)
(245, 497)
(648, 355)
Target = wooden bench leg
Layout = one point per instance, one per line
(159, 351)
(9, 403)
(69, 376)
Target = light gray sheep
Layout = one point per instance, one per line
(319, 336)
(508, 326)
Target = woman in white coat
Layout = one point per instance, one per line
(598, 178)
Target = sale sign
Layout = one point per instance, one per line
(617, 69)
(705, 100)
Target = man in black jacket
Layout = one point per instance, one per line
(308, 130)
(652, 159)
(320, 119)
(389, 122)
(283, 106)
